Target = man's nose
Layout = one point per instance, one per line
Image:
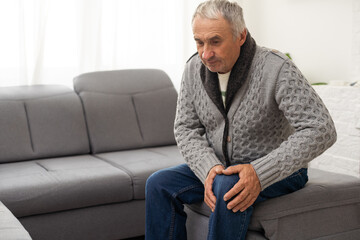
(207, 53)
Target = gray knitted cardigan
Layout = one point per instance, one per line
(275, 120)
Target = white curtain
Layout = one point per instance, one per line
(52, 41)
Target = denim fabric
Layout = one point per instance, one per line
(168, 189)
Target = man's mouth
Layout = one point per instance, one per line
(211, 62)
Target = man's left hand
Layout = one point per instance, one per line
(246, 190)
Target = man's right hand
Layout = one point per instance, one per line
(209, 197)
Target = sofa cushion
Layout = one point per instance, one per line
(50, 185)
(105, 222)
(41, 121)
(328, 205)
(128, 109)
(141, 163)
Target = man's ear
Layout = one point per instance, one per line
(242, 37)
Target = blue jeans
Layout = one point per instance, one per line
(168, 189)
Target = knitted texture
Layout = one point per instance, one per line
(277, 122)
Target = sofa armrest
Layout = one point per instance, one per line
(10, 227)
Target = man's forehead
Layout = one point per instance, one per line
(208, 37)
(210, 28)
(208, 22)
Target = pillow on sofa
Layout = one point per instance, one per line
(41, 121)
(128, 109)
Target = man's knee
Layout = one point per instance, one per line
(155, 182)
(223, 183)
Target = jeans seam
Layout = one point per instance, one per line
(174, 196)
(242, 225)
(172, 223)
(208, 234)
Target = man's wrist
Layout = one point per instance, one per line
(217, 168)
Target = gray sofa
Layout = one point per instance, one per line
(73, 165)
(327, 208)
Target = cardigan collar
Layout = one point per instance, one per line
(238, 75)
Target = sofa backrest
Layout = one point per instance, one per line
(40, 121)
(127, 109)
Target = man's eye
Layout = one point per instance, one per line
(199, 43)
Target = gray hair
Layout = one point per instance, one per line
(230, 11)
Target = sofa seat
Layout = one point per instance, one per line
(141, 163)
(57, 184)
(328, 206)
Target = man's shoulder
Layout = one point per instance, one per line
(272, 59)
(269, 61)
(277, 53)
(193, 63)
(192, 56)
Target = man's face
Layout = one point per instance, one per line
(215, 43)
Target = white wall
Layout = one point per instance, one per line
(322, 36)
(319, 34)
(356, 42)
(343, 103)
(189, 43)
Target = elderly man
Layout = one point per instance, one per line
(247, 124)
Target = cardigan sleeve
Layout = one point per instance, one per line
(314, 129)
(190, 133)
